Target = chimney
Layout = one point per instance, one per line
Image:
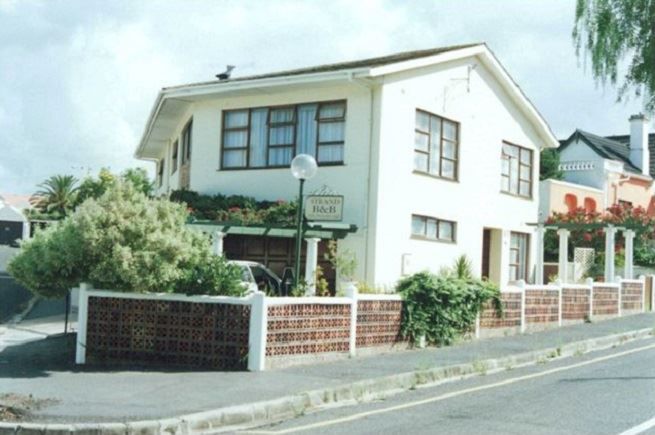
(639, 154)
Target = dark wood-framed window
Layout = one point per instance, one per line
(436, 145)
(519, 249)
(269, 137)
(516, 172)
(174, 157)
(430, 228)
(160, 172)
(186, 142)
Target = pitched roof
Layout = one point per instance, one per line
(362, 63)
(625, 139)
(605, 147)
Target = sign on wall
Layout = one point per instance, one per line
(324, 207)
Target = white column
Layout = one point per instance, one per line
(258, 332)
(351, 292)
(80, 349)
(642, 278)
(539, 257)
(629, 253)
(311, 262)
(590, 283)
(217, 242)
(26, 230)
(610, 232)
(562, 268)
(523, 324)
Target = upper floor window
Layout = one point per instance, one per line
(174, 157)
(436, 145)
(516, 175)
(269, 137)
(186, 142)
(430, 228)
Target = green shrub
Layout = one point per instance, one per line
(442, 307)
(211, 275)
(122, 241)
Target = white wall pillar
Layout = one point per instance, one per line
(80, 348)
(522, 286)
(258, 332)
(563, 265)
(311, 262)
(217, 242)
(352, 293)
(539, 255)
(26, 230)
(610, 233)
(629, 236)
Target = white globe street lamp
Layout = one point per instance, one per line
(303, 167)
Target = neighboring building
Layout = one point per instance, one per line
(14, 226)
(621, 167)
(435, 151)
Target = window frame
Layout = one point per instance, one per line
(174, 156)
(526, 266)
(186, 143)
(520, 149)
(269, 125)
(160, 172)
(438, 221)
(456, 142)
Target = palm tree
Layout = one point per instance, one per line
(57, 195)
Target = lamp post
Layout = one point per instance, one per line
(303, 167)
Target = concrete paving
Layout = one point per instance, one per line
(45, 368)
(605, 392)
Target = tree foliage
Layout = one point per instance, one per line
(610, 31)
(57, 195)
(549, 165)
(123, 241)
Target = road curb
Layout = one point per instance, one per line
(258, 413)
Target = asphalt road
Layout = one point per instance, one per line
(608, 392)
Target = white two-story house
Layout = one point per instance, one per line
(436, 153)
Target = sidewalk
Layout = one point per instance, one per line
(73, 394)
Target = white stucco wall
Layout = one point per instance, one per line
(578, 151)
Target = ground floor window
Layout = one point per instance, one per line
(518, 256)
(425, 227)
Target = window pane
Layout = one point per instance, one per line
(511, 150)
(331, 131)
(514, 176)
(235, 139)
(449, 149)
(333, 110)
(234, 158)
(258, 131)
(421, 141)
(306, 129)
(422, 121)
(418, 225)
(282, 115)
(447, 169)
(504, 162)
(280, 156)
(446, 230)
(281, 135)
(514, 256)
(504, 184)
(524, 188)
(512, 273)
(236, 118)
(330, 153)
(421, 162)
(449, 130)
(434, 162)
(525, 172)
(431, 228)
(526, 157)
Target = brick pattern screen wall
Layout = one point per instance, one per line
(378, 323)
(167, 333)
(575, 303)
(631, 296)
(302, 329)
(541, 306)
(511, 317)
(606, 301)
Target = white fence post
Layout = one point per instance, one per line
(590, 283)
(559, 310)
(477, 325)
(618, 279)
(652, 293)
(351, 292)
(642, 278)
(258, 333)
(82, 319)
(522, 287)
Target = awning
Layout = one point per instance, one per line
(321, 230)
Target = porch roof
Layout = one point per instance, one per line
(321, 230)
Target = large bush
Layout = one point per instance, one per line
(122, 241)
(442, 307)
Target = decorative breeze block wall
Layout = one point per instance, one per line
(631, 297)
(302, 329)
(575, 303)
(511, 317)
(541, 305)
(606, 300)
(165, 332)
(378, 322)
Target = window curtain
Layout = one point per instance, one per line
(306, 133)
(258, 137)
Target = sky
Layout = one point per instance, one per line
(78, 78)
